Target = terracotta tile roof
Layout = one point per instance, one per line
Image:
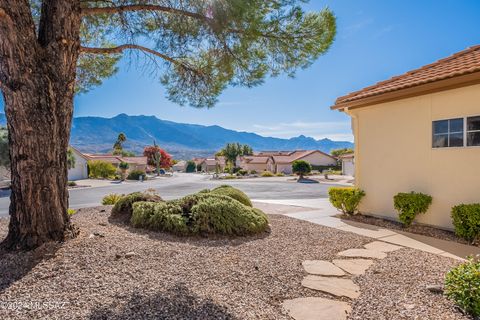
(461, 63)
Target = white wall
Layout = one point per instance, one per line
(80, 171)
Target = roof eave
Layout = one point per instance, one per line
(427, 88)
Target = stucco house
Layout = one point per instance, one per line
(256, 163)
(348, 164)
(208, 165)
(180, 166)
(80, 171)
(419, 131)
(283, 159)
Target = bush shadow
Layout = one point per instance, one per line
(177, 302)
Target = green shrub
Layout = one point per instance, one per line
(101, 169)
(466, 221)
(111, 199)
(234, 193)
(409, 205)
(242, 172)
(71, 184)
(346, 199)
(71, 212)
(221, 215)
(201, 213)
(123, 206)
(190, 166)
(124, 165)
(280, 174)
(267, 174)
(462, 285)
(163, 216)
(253, 171)
(136, 174)
(301, 167)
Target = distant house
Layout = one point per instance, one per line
(180, 166)
(135, 163)
(208, 165)
(80, 171)
(348, 164)
(419, 131)
(281, 161)
(257, 163)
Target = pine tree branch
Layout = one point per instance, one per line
(121, 48)
(141, 7)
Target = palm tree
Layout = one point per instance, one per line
(118, 145)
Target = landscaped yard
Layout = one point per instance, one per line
(170, 277)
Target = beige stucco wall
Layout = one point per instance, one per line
(319, 159)
(394, 154)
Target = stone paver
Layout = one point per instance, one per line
(354, 266)
(363, 253)
(337, 286)
(323, 268)
(381, 246)
(314, 308)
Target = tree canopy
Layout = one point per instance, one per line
(301, 167)
(339, 152)
(197, 48)
(4, 156)
(232, 150)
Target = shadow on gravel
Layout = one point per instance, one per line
(177, 302)
(15, 265)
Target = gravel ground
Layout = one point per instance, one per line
(198, 278)
(414, 228)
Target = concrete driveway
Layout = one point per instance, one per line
(182, 184)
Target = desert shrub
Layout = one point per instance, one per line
(242, 172)
(201, 213)
(221, 215)
(345, 199)
(466, 221)
(231, 176)
(234, 193)
(462, 285)
(409, 205)
(163, 216)
(136, 174)
(190, 166)
(267, 174)
(71, 212)
(111, 199)
(101, 169)
(71, 184)
(253, 171)
(280, 174)
(204, 191)
(123, 206)
(124, 165)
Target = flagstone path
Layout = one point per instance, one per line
(334, 278)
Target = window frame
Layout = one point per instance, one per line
(465, 131)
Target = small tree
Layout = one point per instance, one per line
(190, 166)
(4, 155)
(301, 168)
(233, 150)
(157, 157)
(123, 166)
(70, 159)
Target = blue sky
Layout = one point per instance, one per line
(375, 40)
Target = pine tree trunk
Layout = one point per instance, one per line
(37, 78)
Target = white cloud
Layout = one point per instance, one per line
(335, 130)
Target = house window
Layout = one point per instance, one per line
(448, 133)
(473, 131)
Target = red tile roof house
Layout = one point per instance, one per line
(256, 163)
(419, 131)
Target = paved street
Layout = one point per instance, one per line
(182, 184)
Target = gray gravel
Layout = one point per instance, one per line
(197, 278)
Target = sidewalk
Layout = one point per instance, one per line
(323, 213)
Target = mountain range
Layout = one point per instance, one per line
(182, 140)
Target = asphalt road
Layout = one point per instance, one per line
(182, 184)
